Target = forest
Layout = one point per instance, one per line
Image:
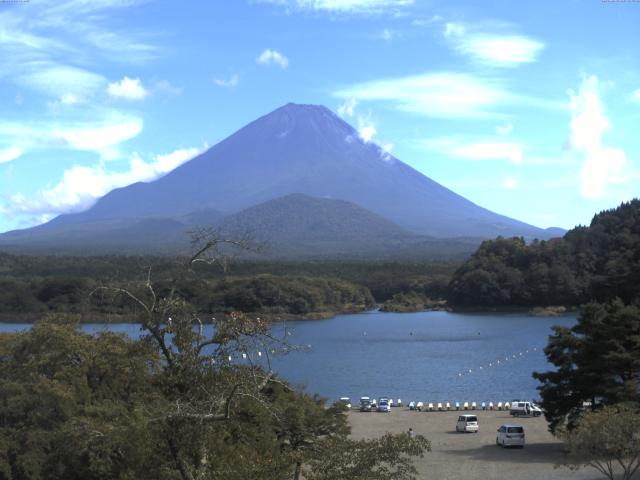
(33, 286)
(595, 263)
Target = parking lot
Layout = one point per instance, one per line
(473, 455)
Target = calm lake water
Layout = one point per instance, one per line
(428, 356)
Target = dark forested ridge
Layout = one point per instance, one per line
(598, 262)
(295, 226)
(33, 286)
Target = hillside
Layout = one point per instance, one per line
(599, 262)
(298, 226)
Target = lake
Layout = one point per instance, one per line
(428, 356)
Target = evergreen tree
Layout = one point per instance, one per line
(597, 361)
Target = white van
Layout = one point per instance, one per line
(524, 409)
(467, 423)
(510, 436)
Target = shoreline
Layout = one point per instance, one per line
(111, 319)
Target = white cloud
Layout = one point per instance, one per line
(512, 152)
(69, 99)
(231, 82)
(128, 88)
(493, 49)
(501, 51)
(510, 183)
(388, 35)
(491, 151)
(347, 108)
(99, 138)
(432, 94)
(81, 186)
(423, 22)
(66, 100)
(61, 81)
(367, 131)
(444, 95)
(165, 86)
(119, 47)
(452, 29)
(269, 57)
(602, 165)
(635, 96)
(505, 129)
(10, 154)
(344, 6)
(102, 136)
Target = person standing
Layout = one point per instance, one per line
(411, 433)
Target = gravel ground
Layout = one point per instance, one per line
(472, 456)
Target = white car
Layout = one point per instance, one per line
(510, 436)
(467, 423)
(383, 405)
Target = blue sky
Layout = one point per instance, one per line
(529, 109)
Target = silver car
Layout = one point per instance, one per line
(510, 436)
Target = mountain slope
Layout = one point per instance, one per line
(295, 149)
(307, 149)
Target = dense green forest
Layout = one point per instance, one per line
(32, 286)
(599, 262)
(177, 403)
(170, 406)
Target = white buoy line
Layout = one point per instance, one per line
(498, 362)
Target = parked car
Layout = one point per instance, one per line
(467, 423)
(365, 404)
(383, 405)
(520, 408)
(510, 436)
(346, 401)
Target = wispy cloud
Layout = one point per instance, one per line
(348, 107)
(483, 150)
(432, 94)
(230, 82)
(635, 96)
(366, 127)
(165, 86)
(602, 165)
(505, 129)
(58, 81)
(510, 183)
(81, 186)
(388, 35)
(343, 6)
(102, 136)
(10, 154)
(492, 49)
(99, 138)
(444, 95)
(270, 57)
(128, 89)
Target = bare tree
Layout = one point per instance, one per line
(208, 365)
